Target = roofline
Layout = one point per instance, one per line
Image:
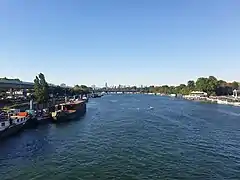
(27, 83)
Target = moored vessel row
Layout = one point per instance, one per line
(14, 121)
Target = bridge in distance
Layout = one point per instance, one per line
(117, 90)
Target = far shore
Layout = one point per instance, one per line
(227, 100)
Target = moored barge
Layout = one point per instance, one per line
(69, 111)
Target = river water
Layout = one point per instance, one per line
(130, 137)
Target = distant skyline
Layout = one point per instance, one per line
(135, 42)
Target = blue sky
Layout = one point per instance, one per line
(148, 42)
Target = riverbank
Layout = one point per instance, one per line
(227, 100)
(13, 121)
(26, 105)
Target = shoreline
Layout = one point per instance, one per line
(225, 100)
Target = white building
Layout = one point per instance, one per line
(236, 93)
(20, 92)
(196, 94)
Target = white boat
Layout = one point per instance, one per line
(10, 125)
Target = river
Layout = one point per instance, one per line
(130, 137)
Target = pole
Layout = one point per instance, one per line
(31, 104)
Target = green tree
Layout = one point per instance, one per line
(59, 91)
(77, 89)
(191, 84)
(212, 85)
(208, 85)
(82, 89)
(221, 82)
(235, 85)
(41, 89)
(85, 89)
(201, 84)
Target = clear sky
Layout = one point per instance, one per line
(148, 42)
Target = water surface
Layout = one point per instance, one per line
(130, 137)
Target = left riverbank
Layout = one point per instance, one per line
(44, 103)
(14, 121)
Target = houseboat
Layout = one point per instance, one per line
(69, 111)
(10, 125)
(30, 116)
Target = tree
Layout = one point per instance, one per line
(82, 89)
(221, 82)
(201, 84)
(59, 91)
(191, 84)
(208, 85)
(212, 84)
(134, 88)
(85, 89)
(41, 89)
(76, 89)
(235, 85)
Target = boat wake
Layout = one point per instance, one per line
(229, 113)
(150, 108)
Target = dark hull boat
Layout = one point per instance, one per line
(43, 119)
(69, 111)
(11, 130)
(62, 116)
(31, 122)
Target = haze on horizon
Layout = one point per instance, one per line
(124, 42)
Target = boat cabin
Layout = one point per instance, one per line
(4, 121)
(13, 112)
(18, 119)
(64, 107)
(71, 105)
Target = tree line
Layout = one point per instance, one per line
(211, 85)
